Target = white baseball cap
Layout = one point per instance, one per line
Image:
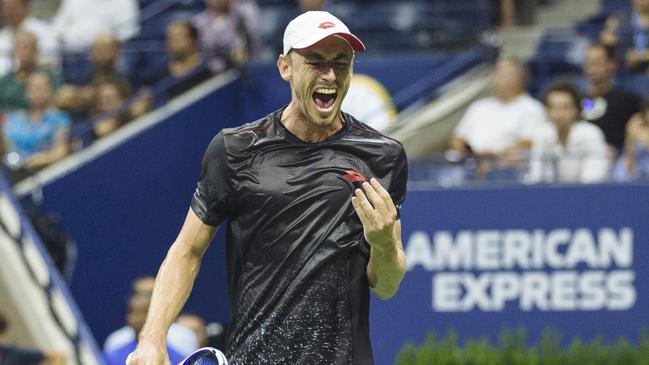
(312, 27)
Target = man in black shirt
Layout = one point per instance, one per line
(311, 196)
(606, 106)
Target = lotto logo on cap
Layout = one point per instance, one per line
(314, 26)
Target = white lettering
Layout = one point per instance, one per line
(582, 249)
(535, 291)
(487, 250)
(506, 286)
(446, 293)
(516, 249)
(621, 290)
(564, 290)
(453, 255)
(418, 251)
(554, 239)
(620, 250)
(476, 291)
(591, 286)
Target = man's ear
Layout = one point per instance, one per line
(284, 67)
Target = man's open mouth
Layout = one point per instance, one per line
(324, 98)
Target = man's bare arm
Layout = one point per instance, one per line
(387, 267)
(172, 288)
(382, 230)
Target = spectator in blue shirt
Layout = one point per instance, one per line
(138, 307)
(37, 136)
(634, 164)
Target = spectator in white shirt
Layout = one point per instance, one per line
(568, 150)
(78, 22)
(15, 17)
(499, 128)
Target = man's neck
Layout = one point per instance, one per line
(183, 64)
(24, 70)
(16, 26)
(563, 134)
(37, 113)
(599, 89)
(508, 98)
(306, 130)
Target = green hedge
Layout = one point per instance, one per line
(513, 349)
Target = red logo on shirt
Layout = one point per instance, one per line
(326, 25)
(352, 176)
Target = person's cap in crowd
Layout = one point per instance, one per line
(314, 26)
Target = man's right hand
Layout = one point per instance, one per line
(148, 354)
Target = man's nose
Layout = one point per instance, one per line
(328, 73)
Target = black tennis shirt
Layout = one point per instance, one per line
(296, 255)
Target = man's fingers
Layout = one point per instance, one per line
(356, 203)
(385, 196)
(374, 198)
(371, 220)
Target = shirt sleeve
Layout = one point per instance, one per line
(399, 180)
(535, 119)
(540, 168)
(213, 192)
(463, 128)
(126, 23)
(595, 164)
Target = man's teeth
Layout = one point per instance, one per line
(323, 90)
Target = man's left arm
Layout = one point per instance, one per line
(382, 230)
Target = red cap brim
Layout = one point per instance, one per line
(356, 43)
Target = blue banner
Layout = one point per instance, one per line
(571, 258)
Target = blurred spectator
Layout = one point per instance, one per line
(12, 85)
(182, 339)
(229, 33)
(14, 355)
(109, 98)
(312, 5)
(605, 105)
(567, 150)
(628, 35)
(635, 162)
(500, 127)
(15, 17)
(195, 323)
(78, 23)
(104, 56)
(138, 307)
(38, 136)
(143, 286)
(185, 67)
(507, 13)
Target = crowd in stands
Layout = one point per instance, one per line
(592, 128)
(67, 81)
(70, 80)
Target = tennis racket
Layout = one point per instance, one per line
(205, 356)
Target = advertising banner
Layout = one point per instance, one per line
(479, 260)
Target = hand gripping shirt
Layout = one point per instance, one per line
(296, 255)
